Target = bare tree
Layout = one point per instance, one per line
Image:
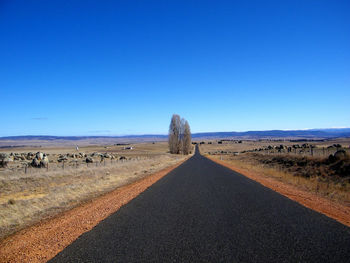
(174, 134)
(182, 129)
(179, 135)
(186, 139)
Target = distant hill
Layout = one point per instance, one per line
(307, 134)
(76, 138)
(298, 134)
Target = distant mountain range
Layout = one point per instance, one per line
(299, 134)
(307, 134)
(76, 138)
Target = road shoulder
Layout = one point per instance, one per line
(43, 241)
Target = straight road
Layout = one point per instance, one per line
(204, 212)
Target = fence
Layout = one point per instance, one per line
(310, 151)
(73, 165)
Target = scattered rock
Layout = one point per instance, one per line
(62, 159)
(340, 155)
(5, 159)
(3, 155)
(11, 202)
(36, 163)
(39, 156)
(44, 162)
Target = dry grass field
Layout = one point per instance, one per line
(321, 148)
(27, 196)
(38, 143)
(309, 170)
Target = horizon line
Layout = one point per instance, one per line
(162, 134)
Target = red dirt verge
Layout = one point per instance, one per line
(43, 241)
(334, 210)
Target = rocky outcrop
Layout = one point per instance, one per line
(44, 162)
(35, 163)
(62, 158)
(341, 154)
(39, 156)
(5, 159)
(41, 160)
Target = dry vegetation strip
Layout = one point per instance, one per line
(335, 210)
(43, 241)
(27, 198)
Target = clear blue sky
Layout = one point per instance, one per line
(124, 67)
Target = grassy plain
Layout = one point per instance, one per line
(310, 173)
(26, 198)
(322, 148)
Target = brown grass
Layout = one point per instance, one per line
(43, 241)
(312, 200)
(63, 143)
(27, 198)
(314, 174)
(333, 188)
(247, 145)
(319, 184)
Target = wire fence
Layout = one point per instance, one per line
(73, 164)
(310, 151)
(321, 152)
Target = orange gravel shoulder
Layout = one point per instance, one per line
(334, 210)
(43, 241)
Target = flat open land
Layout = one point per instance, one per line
(201, 211)
(204, 212)
(29, 194)
(307, 165)
(322, 148)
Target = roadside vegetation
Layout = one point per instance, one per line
(27, 196)
(328, 176)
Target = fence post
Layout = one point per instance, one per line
(63, 165)
(25, 169)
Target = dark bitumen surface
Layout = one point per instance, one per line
(204, 212)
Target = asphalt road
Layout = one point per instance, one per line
(204, 212)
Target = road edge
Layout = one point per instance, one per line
(43, 241)
(336, 211)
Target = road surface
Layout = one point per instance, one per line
(204, 212)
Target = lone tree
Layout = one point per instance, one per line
(179, 135)
(186, 139)
(174, 134)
